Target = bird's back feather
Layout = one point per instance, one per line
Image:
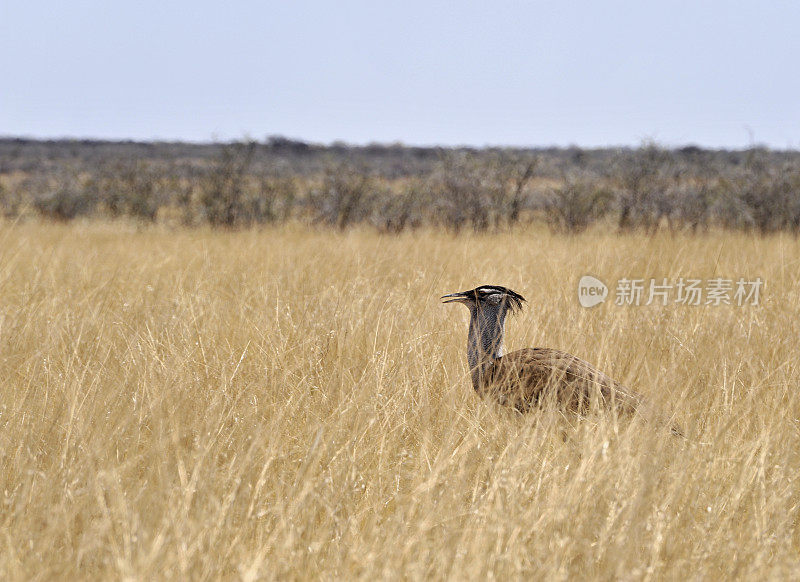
(533, 376)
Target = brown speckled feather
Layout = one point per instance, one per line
(533, 376)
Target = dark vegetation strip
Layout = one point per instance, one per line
(395, 188)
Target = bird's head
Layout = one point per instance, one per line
(487, 297)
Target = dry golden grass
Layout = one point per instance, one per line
(294, 405)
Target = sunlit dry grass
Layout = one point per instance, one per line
(289, 404)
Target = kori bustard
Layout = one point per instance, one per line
(531, 377)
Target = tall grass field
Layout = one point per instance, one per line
(294, 404)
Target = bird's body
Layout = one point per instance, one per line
(530, 377)
(533, 377)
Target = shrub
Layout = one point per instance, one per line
(397, 211)
(130, 188)
(271, 200)
(65, 197)
(574, 206)
(222, 196)
(344, 198)
(640, 180)
(10, 202)
(462, 196)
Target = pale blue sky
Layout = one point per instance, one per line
(712, 73)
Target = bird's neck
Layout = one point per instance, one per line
(485, 343)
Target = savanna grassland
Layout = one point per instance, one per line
(286, 403)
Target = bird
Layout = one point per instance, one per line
(531, 377)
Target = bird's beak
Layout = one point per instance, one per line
(455, 298)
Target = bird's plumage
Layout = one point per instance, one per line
(534, 377)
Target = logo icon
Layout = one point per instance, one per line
(591, 291)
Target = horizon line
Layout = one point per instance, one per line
(389, 144)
